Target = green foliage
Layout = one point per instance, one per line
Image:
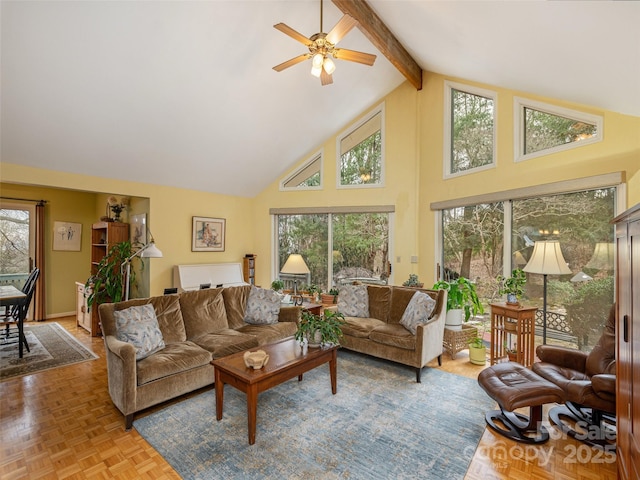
(588, 308)
(513, 284)
(362, 164)
(461, 293)
(313, 289)
(472, 135)
(327, 324)
(545, 130)
(334, 291)
(277, 285)
(558, 292)
(106, 285)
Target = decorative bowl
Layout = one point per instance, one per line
(256, 360)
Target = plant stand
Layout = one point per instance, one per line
(457, 340)
(503, 317)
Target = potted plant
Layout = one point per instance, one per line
(478, 350)
(331, 297)
(106, 285)
(512, 286)
(413, 281)
(314, 292)
(277, 285)
(462, 300)
(320, 329)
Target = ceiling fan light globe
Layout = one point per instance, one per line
(329, 66)
(317, 60)
(316, 71)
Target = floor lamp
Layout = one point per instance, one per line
(546, 259)
(295, 265)
(148, 251)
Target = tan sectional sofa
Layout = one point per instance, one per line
(381, 334)
(196, 327)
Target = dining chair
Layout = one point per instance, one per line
(18, 314)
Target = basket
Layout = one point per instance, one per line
(457, 340)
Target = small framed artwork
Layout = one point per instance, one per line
(138, 230)
(67, 236)
(208, 234)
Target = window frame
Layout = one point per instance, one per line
(317, 156)
(449, 86)
(380, 109)
(520, 103)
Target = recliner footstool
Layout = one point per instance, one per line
(514, 386)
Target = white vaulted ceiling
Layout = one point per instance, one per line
(106, 88)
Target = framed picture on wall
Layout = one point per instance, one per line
(138, 230)
(67, 236)
(208, 234)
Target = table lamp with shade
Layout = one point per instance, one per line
(147, 251)
(546, 259)
(295, 265)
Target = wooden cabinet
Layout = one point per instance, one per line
(104, 235)
(249, 269)
(628, 343)
(514, 326)
(83, 315)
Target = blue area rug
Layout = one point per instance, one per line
(380, 425)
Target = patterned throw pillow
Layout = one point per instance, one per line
(263, 307)
(417, 312)
(139, 326)
(353, 301)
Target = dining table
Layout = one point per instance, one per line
(10, 295)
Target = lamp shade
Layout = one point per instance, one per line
(602, 258)
(547, 259)
(151, 251)
(581, 277)
(295, 265)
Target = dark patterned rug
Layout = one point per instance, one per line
(380, 425)
(51, 347)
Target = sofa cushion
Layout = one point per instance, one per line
(168, 313)
(418, 311)
(270, 333)
(394, 335)
(203, 311)
(400, 298)
(138, 326)
(353, 301)
(263, 307)
(225, 342)
(379, 301)
(174, 358)
(235, 303)
(360, 327)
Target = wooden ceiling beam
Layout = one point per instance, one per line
(379, 34)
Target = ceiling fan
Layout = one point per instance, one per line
(322, 47)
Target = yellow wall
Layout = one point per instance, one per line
(400, 188)
(170, 220)
(62, 268)
(413, 179)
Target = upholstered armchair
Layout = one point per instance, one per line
(589, 384)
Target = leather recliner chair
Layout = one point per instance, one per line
(589, 384)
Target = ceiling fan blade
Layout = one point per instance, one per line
(287, 30)
(353, 56)
(292, 62)
(344, 26)
(325, 78)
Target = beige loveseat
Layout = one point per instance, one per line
(196, 327)
(381, 334)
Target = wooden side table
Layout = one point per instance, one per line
(523, 320)
(314, 308)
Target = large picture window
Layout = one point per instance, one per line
(475, 238)
(360, 153)
(337, 247)
(469, 129)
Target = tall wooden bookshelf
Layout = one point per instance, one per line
(104, 235)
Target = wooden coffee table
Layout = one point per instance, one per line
(285, 362)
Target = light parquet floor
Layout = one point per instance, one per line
(61, 424)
